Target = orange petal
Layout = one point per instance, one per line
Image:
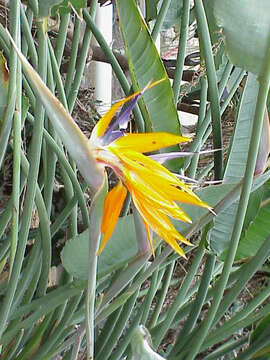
(112, 208)
(148, 142)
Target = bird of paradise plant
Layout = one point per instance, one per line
(154, 190)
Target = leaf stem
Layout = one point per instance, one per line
(205, 41)
(95, 217)
(181, 50)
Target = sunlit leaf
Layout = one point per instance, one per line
(145, 65)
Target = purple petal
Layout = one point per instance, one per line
(113, 135)
(121, 121)
(161, 158)
(123, 118)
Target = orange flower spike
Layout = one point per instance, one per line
(112, 208)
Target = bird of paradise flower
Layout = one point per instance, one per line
(154, 190)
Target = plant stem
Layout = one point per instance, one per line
(82, 60)
(205, 41)
(197, 306)
(95, 217)
(181, 50)
(162, 328)
(29, 198)
(203, 103)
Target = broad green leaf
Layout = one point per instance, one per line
(73, 138)
(264, 353)
(173, 16)
(254, 204)
(220, 234)
(119, 250)
(255, 235)
(151, 9)
(4, 80)
(145, 65)
(45, 7)
(66, 6)
(246, 26)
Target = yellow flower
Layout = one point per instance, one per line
(155, 191)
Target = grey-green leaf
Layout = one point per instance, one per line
(220, 234)
(255, 235)
(119, 250)
(246, 25)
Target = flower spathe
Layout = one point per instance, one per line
(154, 190)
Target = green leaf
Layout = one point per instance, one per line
(254, 204)
(255, 235)
(220, 234)
(145, 65)
(173, 16)
(151, 9)
(246, 26)
(122, 246)
(67, 6)
(119, 250)
(263, 354)
(4, 80)
(45, 7)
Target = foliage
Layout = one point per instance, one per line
(104, 304)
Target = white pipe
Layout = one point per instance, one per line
(103, 72)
